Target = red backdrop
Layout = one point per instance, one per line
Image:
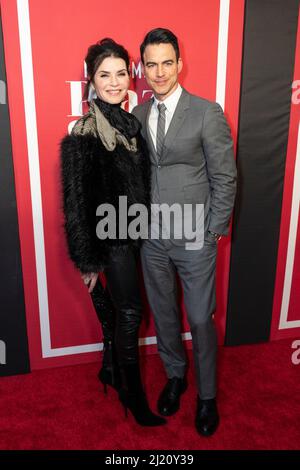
(286, 308)
(45, 44)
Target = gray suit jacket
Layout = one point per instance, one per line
(197, 164)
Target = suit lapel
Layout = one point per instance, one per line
(176, 122)
(149, 138)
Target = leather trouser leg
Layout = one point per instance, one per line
(123, 284)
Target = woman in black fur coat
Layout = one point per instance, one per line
(105, 158)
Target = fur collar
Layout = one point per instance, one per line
(95, 123)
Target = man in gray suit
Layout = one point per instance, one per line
(192, 162)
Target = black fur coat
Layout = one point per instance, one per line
(92, 175)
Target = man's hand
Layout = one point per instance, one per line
(90, 280)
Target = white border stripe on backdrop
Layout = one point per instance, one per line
(222, 52)
(284, 323)
(34, 170)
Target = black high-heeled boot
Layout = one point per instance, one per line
(133, 398)
(109, 373)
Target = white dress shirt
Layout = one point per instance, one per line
(170, 103)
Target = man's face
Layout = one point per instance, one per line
(161, 69)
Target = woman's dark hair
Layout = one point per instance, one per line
(96, 53)
(158, 36)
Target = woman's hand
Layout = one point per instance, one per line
(90, 280)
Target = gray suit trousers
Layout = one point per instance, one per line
(161, 259)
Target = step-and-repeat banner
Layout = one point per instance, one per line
(45, 44)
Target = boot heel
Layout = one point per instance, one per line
(109, 377)
(123, 401)
(133, 398)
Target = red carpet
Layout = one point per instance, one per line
(65, 408)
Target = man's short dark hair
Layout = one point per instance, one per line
(158, 36)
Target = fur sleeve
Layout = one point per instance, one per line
(75, 170)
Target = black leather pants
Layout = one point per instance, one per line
(123, 285)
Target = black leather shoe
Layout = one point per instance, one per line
(207, 416)
(169, 399)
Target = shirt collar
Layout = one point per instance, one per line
(171, 101)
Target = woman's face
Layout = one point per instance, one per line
(111, 80)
